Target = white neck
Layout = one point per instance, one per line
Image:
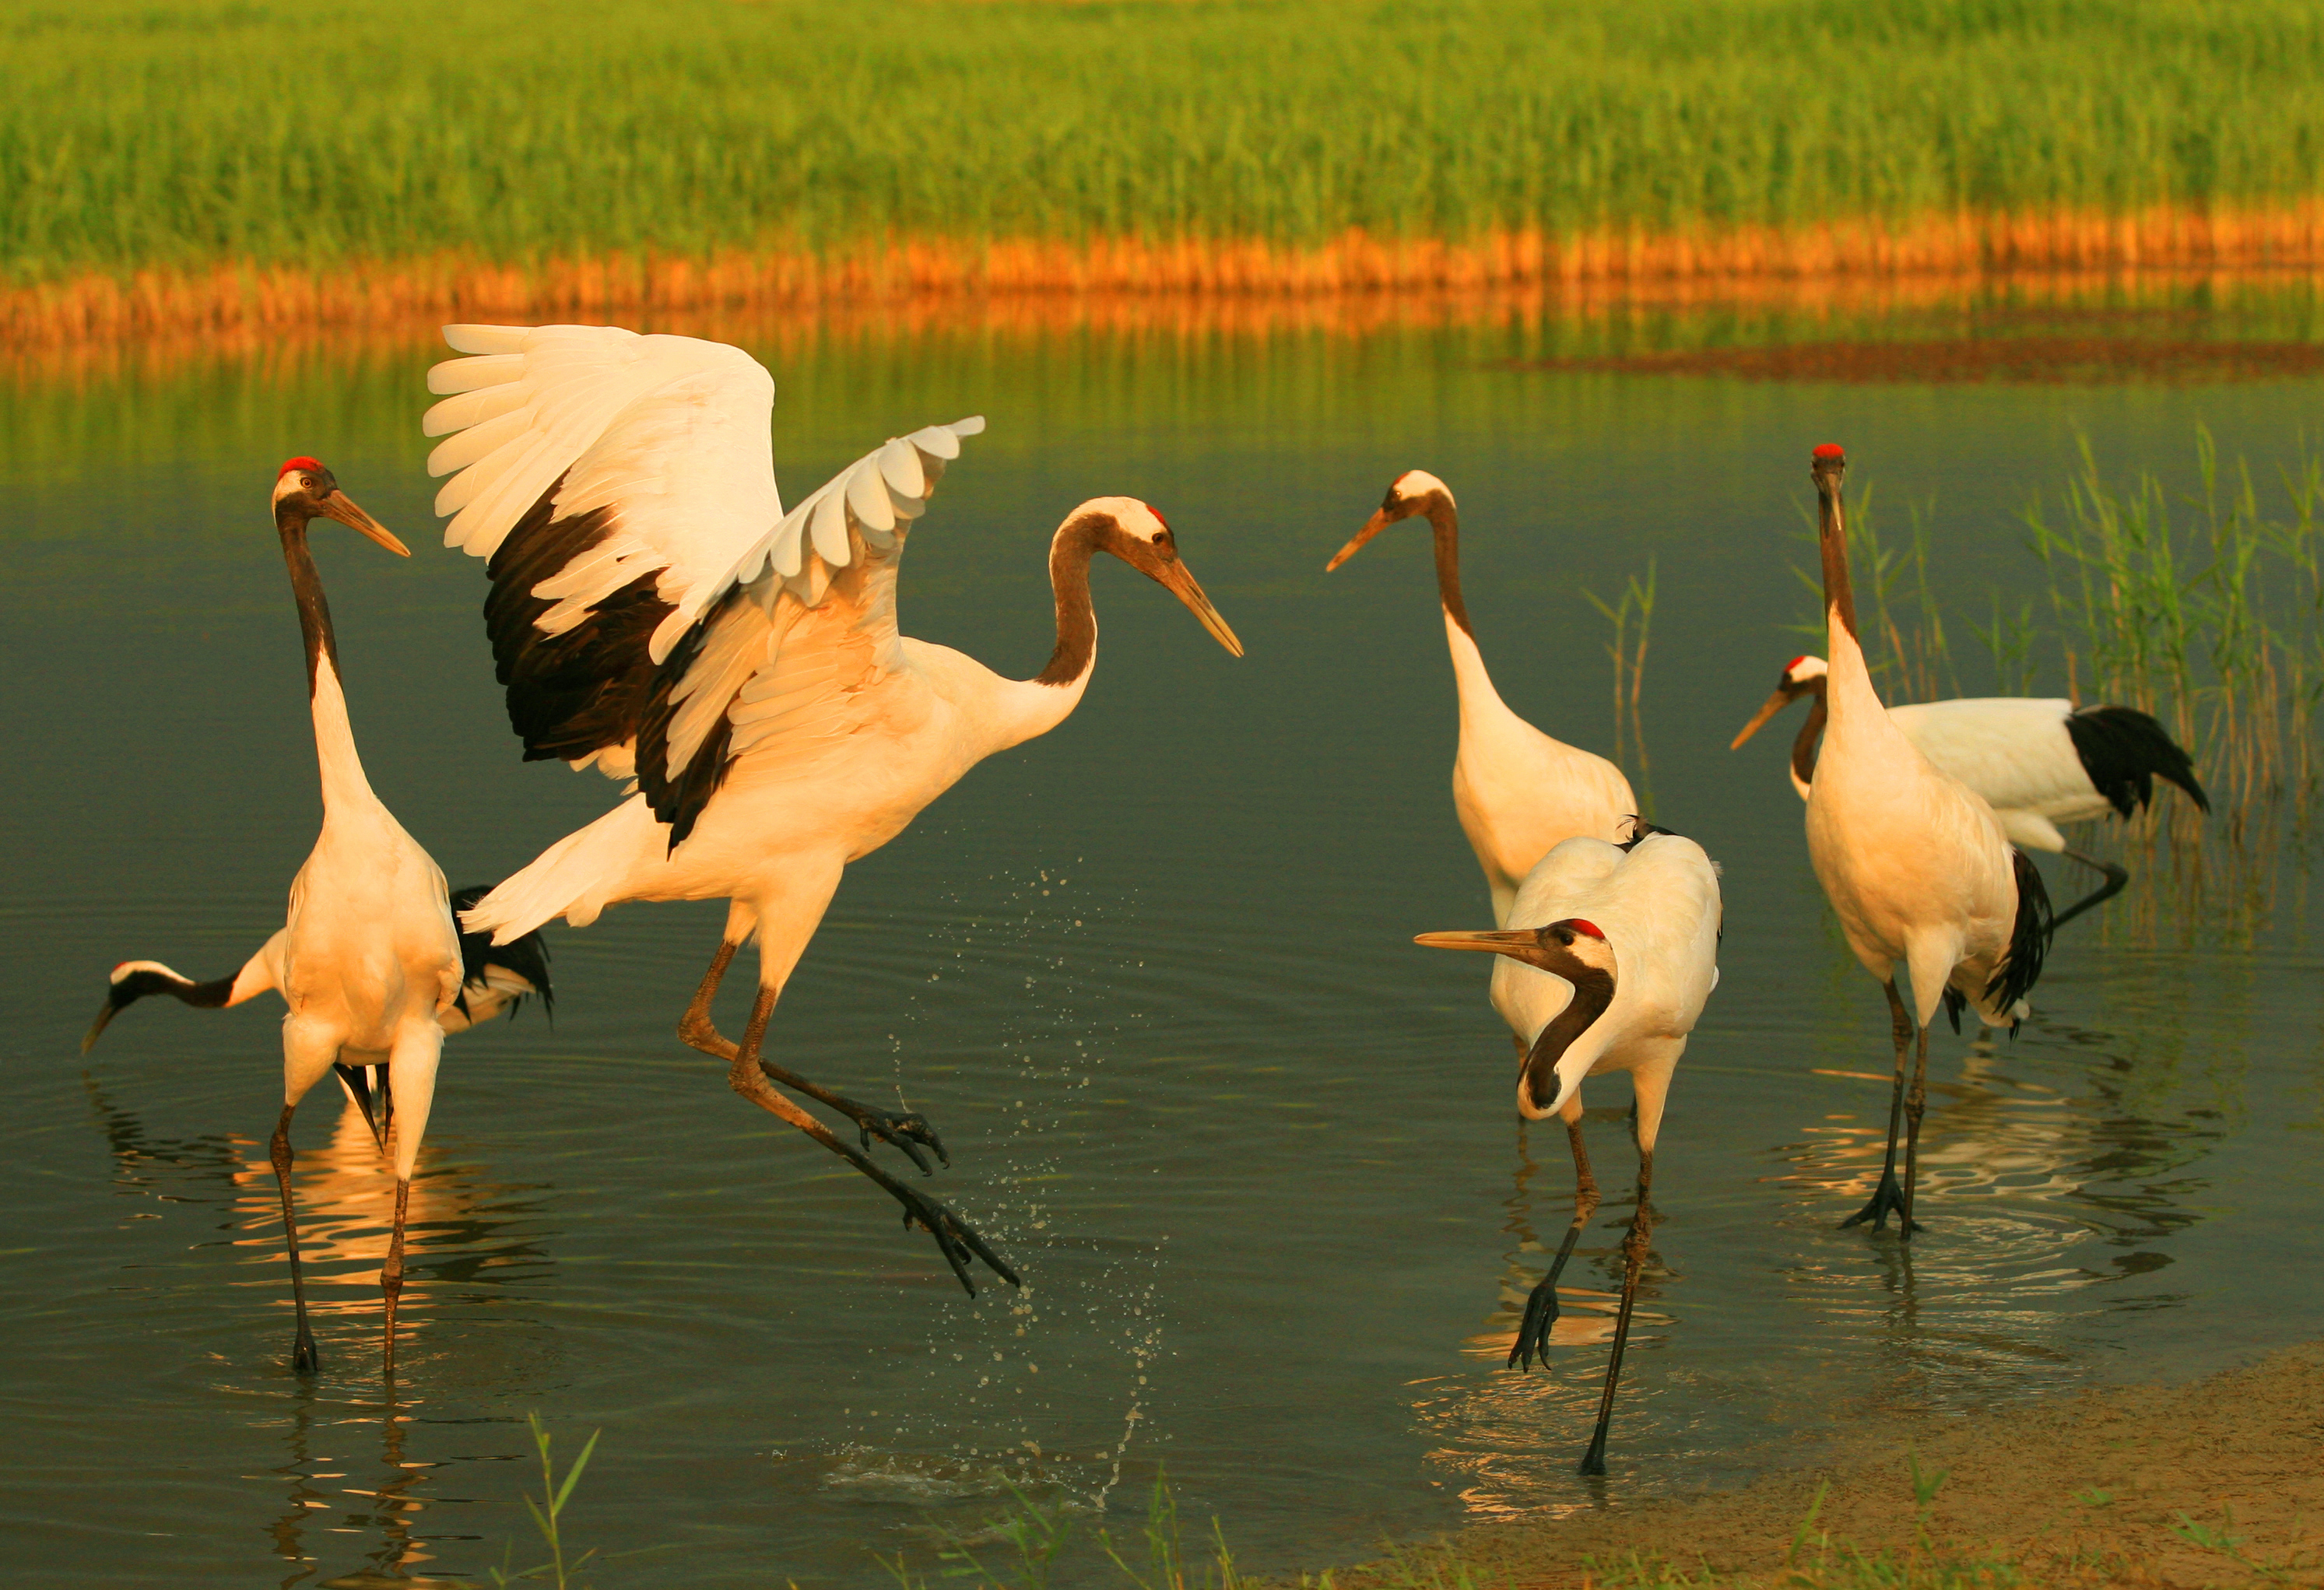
(343, 783)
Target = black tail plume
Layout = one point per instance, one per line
(2029, 938)
(2125, 751)
(1640, 829)
(526, 956)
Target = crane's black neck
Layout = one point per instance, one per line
(1831, 535)
(307, 590)
(1593, 991)
(1445, 519)
(1803, 748)
(1077, 542)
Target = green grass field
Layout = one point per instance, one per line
(183, 132)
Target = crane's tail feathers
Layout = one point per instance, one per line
(575, 878)
(2029, 945)
(517, 968)
(2125, 751)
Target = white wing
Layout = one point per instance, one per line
(795, 642)
(611, 480)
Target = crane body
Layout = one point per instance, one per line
(656, 612)
(1516, 792)
(1609, 954)
(1916, 866)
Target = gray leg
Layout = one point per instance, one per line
(303, 1356)
(1889, 1195)
(958, 1243)
(1633, 1256)
(1541, 1305)
(905, 1131)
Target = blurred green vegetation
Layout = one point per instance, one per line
(179, 133)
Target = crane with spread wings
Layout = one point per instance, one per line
(656, 612)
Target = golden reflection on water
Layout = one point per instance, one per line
(343, 1471)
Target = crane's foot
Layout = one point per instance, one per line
(1888, 1196)
(1533, 1330)
(304, 1359)
(1594, 1461)
(908, 1130)
(903, 1131)
(955, 1238)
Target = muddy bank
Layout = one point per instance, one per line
(2087, 1490)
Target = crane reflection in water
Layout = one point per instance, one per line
(344, 1470)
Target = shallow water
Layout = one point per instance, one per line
(1150, 976)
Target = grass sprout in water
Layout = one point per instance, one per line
(548, 1514)
(1039, 1538)
(1628, 650)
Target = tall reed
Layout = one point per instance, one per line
(2202, 610)
(183, 135)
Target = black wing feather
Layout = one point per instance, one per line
(678, 799)
(584, 690)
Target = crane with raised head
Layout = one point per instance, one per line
(657, 613)
(1516, 792)
(367, 959)
(1916, 865)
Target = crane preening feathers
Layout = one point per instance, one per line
(2036, 762)
(1916, 865)
(368, 960)
(656, 612)
(1608, 956)
(1517, 791)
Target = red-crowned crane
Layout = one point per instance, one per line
(2037, 761)
(1517, 791)
(655, 611)
(1608, 957)
(1916, 866)
(368, 959)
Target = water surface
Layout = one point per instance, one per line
(1151, 977)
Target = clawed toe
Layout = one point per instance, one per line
(1885, 1198)
(906, 1131)
(1533, 1331)
(955, 1238)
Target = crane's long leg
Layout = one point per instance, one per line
(391, 1274)
(1541, 1305)
(1914, 1103)
(955, 1238)
(1634, 1257)
(905, 1130)
(2117, 876)
(303, 1356)
(1888, 1195)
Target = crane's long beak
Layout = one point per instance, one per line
(103, 1019)
(1775, 703)
(338, 505)
(1378, 521)
(1180, 582)
(1500, 940)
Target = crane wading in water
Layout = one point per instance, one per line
(1608, 955)
(2036, 762)
(1517, 791)
(656, 612)
(367, 959)
(1916, 865)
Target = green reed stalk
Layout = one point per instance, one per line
(182, 133)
